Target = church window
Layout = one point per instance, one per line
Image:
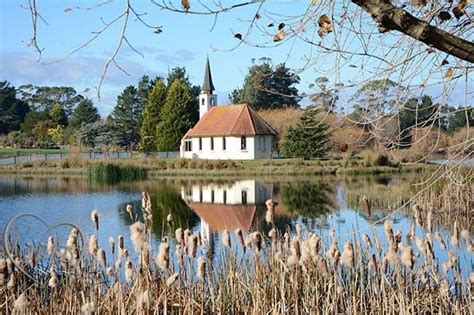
(212, 196)
(244, 197)
(225, 196)
(200, 144)
(224, 146)
(243, 143)
(212, 143)
(203, 101)
(188, 145)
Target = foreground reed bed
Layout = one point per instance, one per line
(240, 272)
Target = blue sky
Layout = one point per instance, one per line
(186, 40)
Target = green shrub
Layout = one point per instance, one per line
(108, 173)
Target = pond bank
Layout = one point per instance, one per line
(157, 168)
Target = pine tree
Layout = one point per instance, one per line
(151, 116)
(308, 139)
(12, 110)
(176, 117)
(85, 113)
(125, 118)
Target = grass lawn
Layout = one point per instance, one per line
(6, 152)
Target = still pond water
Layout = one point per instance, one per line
(208, 206)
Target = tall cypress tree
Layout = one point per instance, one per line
(151, 116)
(176, 117)
(308, 139)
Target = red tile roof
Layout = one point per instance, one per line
(221, 217)
(231, 120)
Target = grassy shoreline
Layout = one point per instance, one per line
(157, 168)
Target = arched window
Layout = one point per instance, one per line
(203, 101)
(212, 101)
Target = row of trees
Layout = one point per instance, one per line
(156, 113)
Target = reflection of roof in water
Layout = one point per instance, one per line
(221, 217)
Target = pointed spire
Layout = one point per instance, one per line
(207, 84)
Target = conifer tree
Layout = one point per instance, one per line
(151, 116)
(85, 113)
(175, 117)
(58, 115)
(308, 139)
(125, 118)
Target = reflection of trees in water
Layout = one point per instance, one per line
(308, 198)
(164, 199)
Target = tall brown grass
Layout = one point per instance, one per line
(289, 273)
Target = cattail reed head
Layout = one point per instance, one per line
(314, 241)
(201, 267)
(169, 218)
(128, 271)
(187, 234)
(179, 235)
(112, 245)
(95, 218)
(193, 243)
(21, 303)
(298, 229)
(143, 300)
(466, 236)
(101, 259)
(172, 279)
(347, 257)
(270, 204)
(240, 237)
(372, 265)
(162, 259)
(32, 259)
(455, 235)
(53, 280)
(226, 239)
(367, 241)
(256, 239)
(138, 236)
(367, 205)
(129, 210)
(295, 247)
(120, 242)
(270, 216)
(408, 258)
(11, 281)
(417, 215)
(93, 245)
(50, 245)
(292, 261)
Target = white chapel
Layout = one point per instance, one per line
(226, 132)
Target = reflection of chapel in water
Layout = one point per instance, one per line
(227, 206)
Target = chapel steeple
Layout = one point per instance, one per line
(207, 98)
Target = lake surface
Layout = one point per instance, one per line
(206, 206)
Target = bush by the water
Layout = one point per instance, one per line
(112, 173)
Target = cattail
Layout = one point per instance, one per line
(32, 259)
(240, 237)
(372, 265)
(101, 259)
(112, 245)
(391, 255)
(332, 234)
(162, 259)
(314, 245)
(144, 200)
(295, 248)
(129, 210)
(418, 218)
(21, 303)
(429, 221)
(88, 308)
(179, 235)
(169, 218)
(407, 257)
(172, 279)
(471, 277)
(455, 235)
(201, 267)
(95, 218)
(187, 234)
(120, 244)
(193, 243)
(292, 261)
(226, 238)
(388, 225)
(72, 240)
(323, 266)
(367, 241)
(270, 204)
(3, 271)
(347, 257)
(50, 245)
(470, 247)
(256, 238)
(138, 236)
(128, 271)
(53, 280)
(270, 216)
(93, 245)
